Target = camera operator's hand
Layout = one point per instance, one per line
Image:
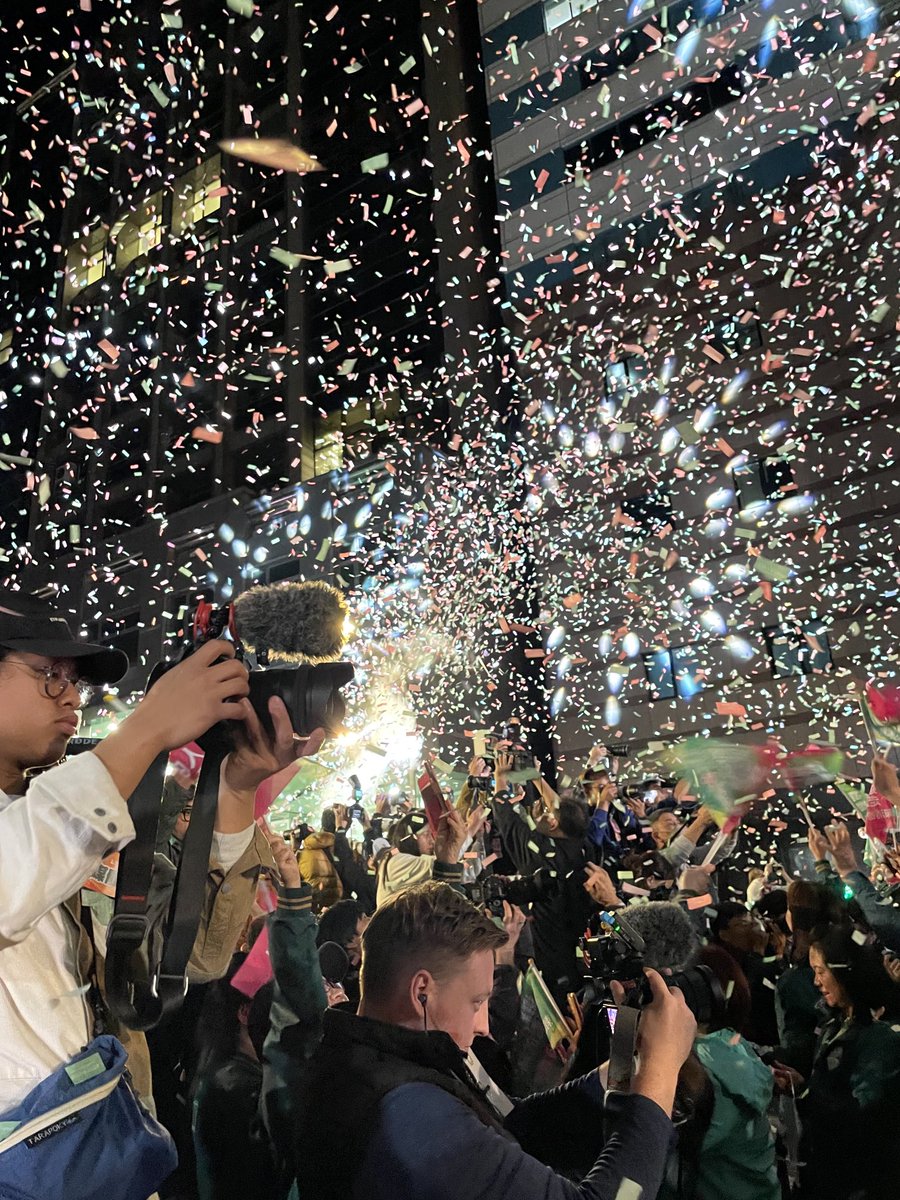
(181, 706)
(341, 816)
(638, 807)
(665, 1039)
(841, 847)
(513, 922)
(478, 768)
(190, 698)
(818, 844)
(600, 887)
(285, 859)
(450, 838)
(256, 756)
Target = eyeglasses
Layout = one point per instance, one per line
(56, 680)
(186, 812)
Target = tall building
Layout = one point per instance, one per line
(235, 344)
(701, 264)
(34, 124)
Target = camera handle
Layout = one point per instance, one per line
(136, 1002)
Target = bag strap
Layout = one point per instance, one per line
(138, 1004)
(95, 995)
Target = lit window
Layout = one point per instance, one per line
(330, 445)
(85, 262)
(197, 195)
(798, 649)
(557, 12)
(138, 233)
(6, 347)
(672, 673)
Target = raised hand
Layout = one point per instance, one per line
(450, 837)
(841, 846)
(256, 756)
(818, 844)
(283, 855)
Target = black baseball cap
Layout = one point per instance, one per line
(28, 623)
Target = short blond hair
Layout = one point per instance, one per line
(429, 927)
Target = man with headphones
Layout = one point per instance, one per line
(390, 1109)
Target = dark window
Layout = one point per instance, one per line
(672, 673)
(285, 570)
(651, 513)
(530, 182)
(798, 649)
(623, 374)
(734, 337)
(761, 478)
(527, 24)
(533, 98)
(810, 41)
(123, 633)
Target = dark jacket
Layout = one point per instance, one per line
(355, 879)
(616, 832)
(231, 1163)
(797, 1007)
(560, 921)
(393, 1114)
(851, 1113)
(295, 1020)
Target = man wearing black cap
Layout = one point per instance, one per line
(54, 838)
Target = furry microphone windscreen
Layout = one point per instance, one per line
(297, 622)
(670, 941)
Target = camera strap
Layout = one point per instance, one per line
(135, 999)
(622, 1049)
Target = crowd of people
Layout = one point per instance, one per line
(402, 1003)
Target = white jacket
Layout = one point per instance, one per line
(50, 843)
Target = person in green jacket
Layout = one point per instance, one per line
(737, 1158)
(726, 1149)
(850, 1103)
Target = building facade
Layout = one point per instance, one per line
(701, 264)
(235, 347)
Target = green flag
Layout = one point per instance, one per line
(555, 1025)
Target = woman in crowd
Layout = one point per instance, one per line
(810, 906)
(851, 1105)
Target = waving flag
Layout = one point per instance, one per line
(815, 765)
(721, 773)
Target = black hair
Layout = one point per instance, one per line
(402, 834)
(773, 905)
(726, 911)
(574, 816)
(859, 969)
(329, 822)
(338, 924)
